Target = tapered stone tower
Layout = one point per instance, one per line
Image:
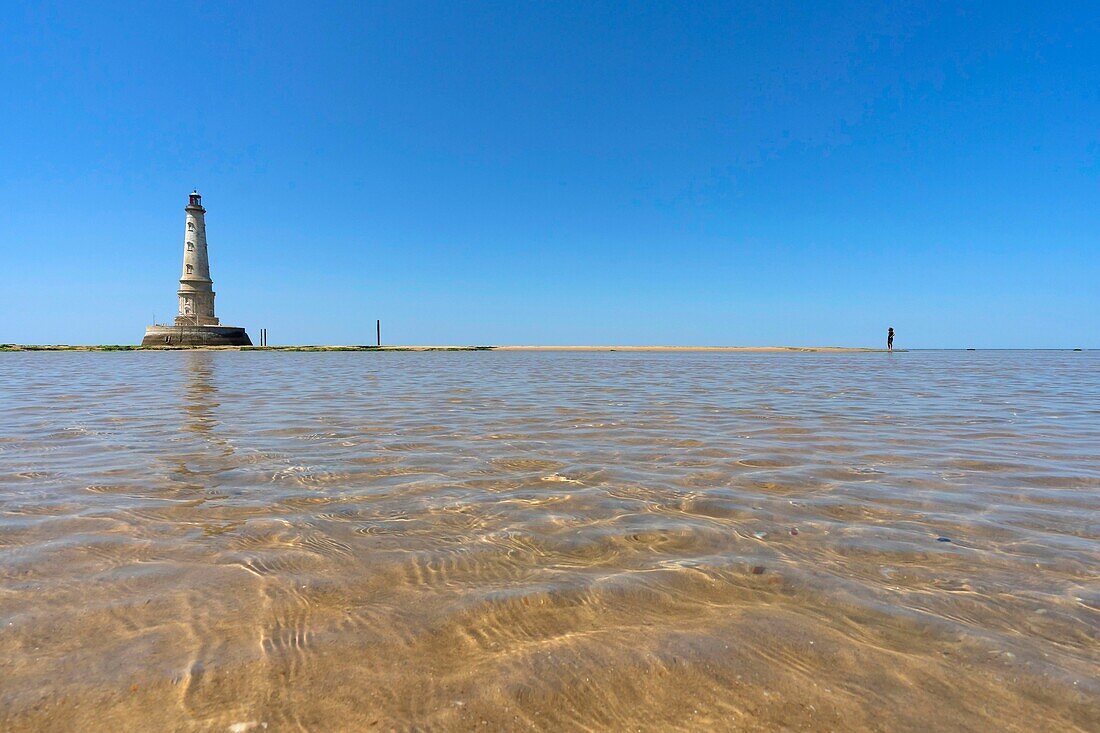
(196, 324)
(196, 291)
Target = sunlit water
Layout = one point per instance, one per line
(500, 541)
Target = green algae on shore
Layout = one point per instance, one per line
(112, 347)
(634, 349)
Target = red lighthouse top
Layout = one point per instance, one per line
(194, 199)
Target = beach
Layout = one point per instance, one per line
(592, 538)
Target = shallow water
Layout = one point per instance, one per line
(502, 541)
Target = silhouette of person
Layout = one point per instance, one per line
(890, 339)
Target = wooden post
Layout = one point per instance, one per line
(378, 330)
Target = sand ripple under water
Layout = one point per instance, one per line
(579, 541)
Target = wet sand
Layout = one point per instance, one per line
(549, 541)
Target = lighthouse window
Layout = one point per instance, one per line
(190, 269)
(190, 226)
(190, 246)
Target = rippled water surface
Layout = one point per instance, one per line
(558, 541)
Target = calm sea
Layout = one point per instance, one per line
(553, 541)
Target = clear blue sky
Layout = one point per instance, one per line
(619, 173)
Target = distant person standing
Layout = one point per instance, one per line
(890, 339)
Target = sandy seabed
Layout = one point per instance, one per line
(553, 541)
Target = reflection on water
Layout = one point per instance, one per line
(198, 395)
(499, 541)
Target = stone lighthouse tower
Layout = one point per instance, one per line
(196, 291)
(196, 324)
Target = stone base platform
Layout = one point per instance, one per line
(195, 336)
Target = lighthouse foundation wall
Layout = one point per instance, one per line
(195, 336)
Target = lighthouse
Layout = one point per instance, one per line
(195, 324)
(196, 293)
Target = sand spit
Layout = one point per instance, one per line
(657, 349)
(752, 349)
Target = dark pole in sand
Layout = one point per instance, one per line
(378, 329)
